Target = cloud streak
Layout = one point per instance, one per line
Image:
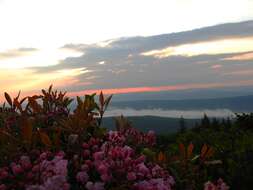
(215, 47)
(163, 88)
(13, 53)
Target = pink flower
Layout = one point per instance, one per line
(43, 156)
(61, 154)
(86, 153)
(54, 183)
(105, 177)
(131, 176)
(93, 141)
(222, 185)
(95, 148)
(95, 186)
(3, 187)
(151, 138)
(152, 184)
(98, 155)
(209, 186)
(16, 169)
(102, 169)
(116, 137)
(171, 180)
(142, 169)
(127, 151)
(88, 163)
(29, 175)
(85, 167)
(3, 174)
(61, 167)
(85, 145)
(36, 168)
(25, 162)
(141, 159)
(82, 177)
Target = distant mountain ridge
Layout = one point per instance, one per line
(160, 125)
(235, 104)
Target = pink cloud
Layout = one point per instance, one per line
(161, 88)
(248, 72)
(242, 57)
(147, 88)
(216, 66)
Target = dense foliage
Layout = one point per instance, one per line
(230, 144)
(43, 145)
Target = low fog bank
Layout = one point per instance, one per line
(189, 114)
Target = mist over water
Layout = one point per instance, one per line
(190, 114)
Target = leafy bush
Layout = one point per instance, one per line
(43, 145)
(231, 143)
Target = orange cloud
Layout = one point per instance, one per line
(242, 57)
(148, 88)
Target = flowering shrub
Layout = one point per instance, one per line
(44, 146)
(102, 164)
(113, 162)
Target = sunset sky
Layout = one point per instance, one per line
(125, 46)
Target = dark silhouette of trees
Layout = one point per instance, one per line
(182, 125)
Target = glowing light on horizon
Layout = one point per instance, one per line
(242, 57)
(237, 45)
(15, 80)
(138, 89)
(162, 88)
(38, 58)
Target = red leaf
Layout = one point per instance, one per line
(17, 104)
(203, 150)
(210, 152)
(35, 106)
(45, 138)
(189, 150)
(107, 101)
(101, 99)
(182, 150)
(50, 88)
(26, 129)
(161, 157)
(8, 98)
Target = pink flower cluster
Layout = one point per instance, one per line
(153, 184)
(132, 136)
(218, 185)
(115, 161)
(102, 163)
(46, 172)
